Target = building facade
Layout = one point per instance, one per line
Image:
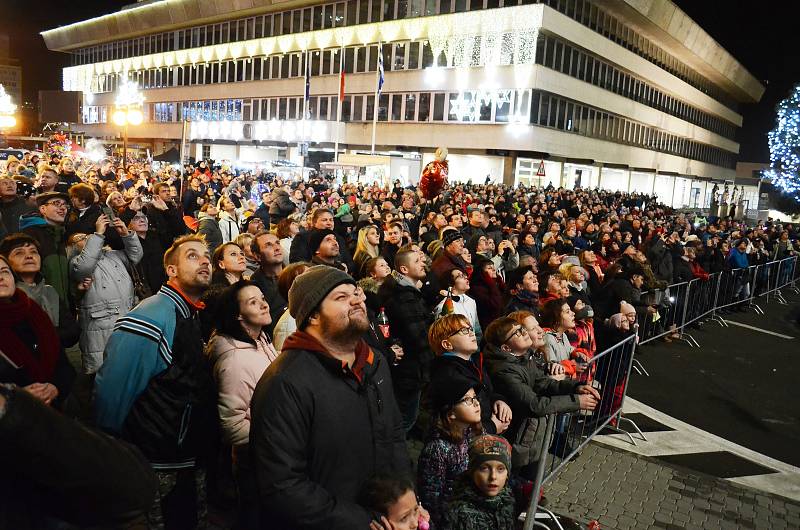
(621, 94)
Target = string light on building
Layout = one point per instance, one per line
(784, 146)
(496, 37)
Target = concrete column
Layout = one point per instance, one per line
(630, 175)
(561, 174)
(655, 178)
(674, 182)
(509, 171)
(600, 177)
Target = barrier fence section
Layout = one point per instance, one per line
(566, 434)
(683, 304)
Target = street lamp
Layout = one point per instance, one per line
(7, 110)
(128, 112)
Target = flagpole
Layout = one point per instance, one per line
(339, 106)
(304, 123)
(307, 91)
(375, 106)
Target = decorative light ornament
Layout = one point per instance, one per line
(251, 47)
(129, 95)
(390, 30)
(267, 46)
(323, 38)
(237, 50)
(285, 43)
(463, 107)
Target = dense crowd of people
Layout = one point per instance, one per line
(293, 336)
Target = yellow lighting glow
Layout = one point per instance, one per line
(135, 117)
(120, 118)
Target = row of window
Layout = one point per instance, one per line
(551, 52)
(407, 55)
(354, 12)
(499, 106)
(323, 16)
(549, 110)
(466, 107)
(595, 18)
(565, 58)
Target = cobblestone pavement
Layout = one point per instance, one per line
(625, 491)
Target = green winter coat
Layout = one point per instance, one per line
(469, 510)
(532, 395)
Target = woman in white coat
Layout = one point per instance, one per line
(103, 274)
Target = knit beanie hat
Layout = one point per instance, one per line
(310, 288)
(316, 237)
(489, 447)
(451, 235)
(625, 307)
(446, 392)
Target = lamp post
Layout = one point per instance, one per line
(128, 111)
(7, 110)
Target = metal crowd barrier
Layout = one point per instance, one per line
(567, 434)
(670, 316)
(683, 304)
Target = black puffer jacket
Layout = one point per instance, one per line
(318, 433)
(409, 319)
(531, 394)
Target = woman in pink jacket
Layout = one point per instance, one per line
(240, 351)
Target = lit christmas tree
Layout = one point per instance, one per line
(784, 146)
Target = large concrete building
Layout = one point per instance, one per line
(622, 94)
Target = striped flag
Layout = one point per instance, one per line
(341, 85)
(380, 69)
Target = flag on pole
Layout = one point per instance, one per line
(380, 69)
(341, 84)
(308, 78)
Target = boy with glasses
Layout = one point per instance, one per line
(47, 228)
(453, 342)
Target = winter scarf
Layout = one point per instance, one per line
(38, 360)
(527, 298)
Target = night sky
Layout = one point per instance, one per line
(763, 37)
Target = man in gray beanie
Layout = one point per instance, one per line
(324, 417)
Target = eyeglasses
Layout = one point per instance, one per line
(57, 204)
(471, 400)
(519, 332)
(466, 330)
